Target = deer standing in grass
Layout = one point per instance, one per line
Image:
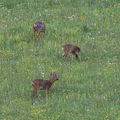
(38, 27)
(40, 84)
(71, 49)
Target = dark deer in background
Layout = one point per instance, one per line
(40, 84)
(38, 27)
(71, 49)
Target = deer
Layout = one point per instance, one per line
(71, 49)
(38, 27)
(40, 84)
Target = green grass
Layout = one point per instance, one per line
(88, 89)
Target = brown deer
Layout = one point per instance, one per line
(38, 27)
(40, 84)
(71, 49)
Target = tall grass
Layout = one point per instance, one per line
(86, 90)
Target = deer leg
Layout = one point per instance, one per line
(65, 54)
(46, 92)
(39, 33)
(76, 56)
(37, 92)
(34, 33)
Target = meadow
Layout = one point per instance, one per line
(88, 89)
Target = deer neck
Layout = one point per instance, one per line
(51, 81)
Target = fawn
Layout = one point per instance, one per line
(40, 84)
(38, 27)
(71, 49)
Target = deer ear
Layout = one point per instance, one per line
(51, 74)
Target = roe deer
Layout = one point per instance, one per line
(38, 27)
(40, 84)
(71, 49)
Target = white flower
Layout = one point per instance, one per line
(71, 17)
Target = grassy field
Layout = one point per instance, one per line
(88, 89)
